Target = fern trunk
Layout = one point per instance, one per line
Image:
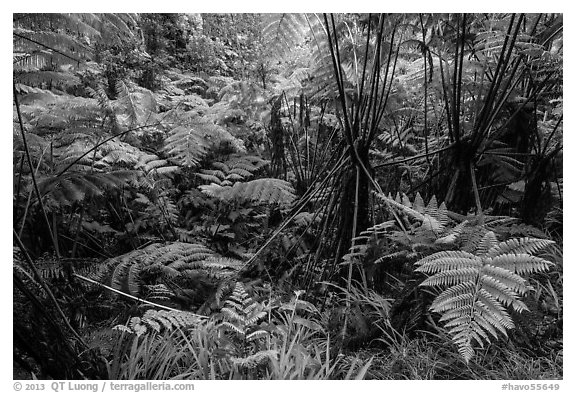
(353, 222)
(278, 159)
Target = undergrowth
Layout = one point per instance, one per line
(288, 196)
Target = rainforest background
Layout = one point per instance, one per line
(287, 196)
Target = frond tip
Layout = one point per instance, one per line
(481, 287)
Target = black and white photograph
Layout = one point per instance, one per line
(287, 196)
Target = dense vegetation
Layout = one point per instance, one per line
(293, 196)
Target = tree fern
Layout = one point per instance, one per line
(478, 287)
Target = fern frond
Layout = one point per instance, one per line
(426, 216)
(523, 245)
(256, 335)
(75, 186)
(488, 241)
(452, 277)
(282, 32)
(242, 314)
(521, 263)
(158, 321)
(480, 286)
(168, 260)
(233, 327)
(186, 145)
(254, 360)
(427, 264)
(265, 191)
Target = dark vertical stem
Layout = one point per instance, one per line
(55, 233)
(339, 79)
(29, 160)
(424, 52)
(385, 92)
(476, 194)
(363, 80)
(446, 100)
(376, 77)
(77, 235)
(493, 86)
(455, 113)
(459, 90)
(18, 186)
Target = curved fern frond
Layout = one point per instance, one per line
(265, 191)
(235, 168)
(481, 286)
(76, 186)
(169, 260)
(151, 164)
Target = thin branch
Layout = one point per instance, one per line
(133, 297)
(47, 47)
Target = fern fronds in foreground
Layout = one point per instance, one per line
(481, 286)
(243, 314)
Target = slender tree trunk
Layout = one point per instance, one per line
(276, 135)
